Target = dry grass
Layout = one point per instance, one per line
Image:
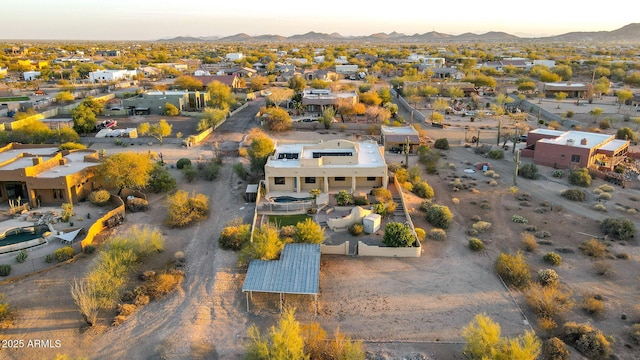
(529, 242)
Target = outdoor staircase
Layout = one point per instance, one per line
(398, 213)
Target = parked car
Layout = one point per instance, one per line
(523, 138)
(396, 150)
(107, 124)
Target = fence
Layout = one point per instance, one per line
(373, 250)
(104, 222)
(342, 249)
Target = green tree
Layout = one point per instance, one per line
(297, 84)
(513, 269)
(84, 119)
(259, 151)
(184, 209)
(277, 119)
(159, 130)
(266, 245)
(439, 216)
(385, 95)
(398, 235)
(284, 342)
(308, 231)
(160, 180)
(64, 97)
(484, 341)
(257, 83)
(596, 112)
(171, 110)
(211, 117)
(560, 96)
(188, 83)
(221, 95)
(625, 133)
(580, 177)
(623, 96)
(564, 71)
(371, 98)
(527, 86)
(602, 86)
(126, 170)
(279, 95)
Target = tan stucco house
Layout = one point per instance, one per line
(329, 166)
(41, 174)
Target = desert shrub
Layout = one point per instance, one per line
(496, 154)
(593, 248)
(286, 231)
(89, 249)
(472, 232)
(441, 144)
(356, 229)
(548, 277)
(398, 235)
(64, 253)
(606, 188)
(604, 125)
(519, 219)
(552, 258)
(481, 226)
(381, 194)
(604, 196)
(161, 180)
(137, 204)
(48, 258)
(589, 341)
(234, 235)
(600, 207)
(184, 209)
(542, 234)
(180, 164)
(476, 244)
(592, 304)
(190, 173)
(5, 269)
(548, 301)
(528, 241)
(492, 182)
(439, 216)
(343, 198)
(420, 233)
(634, 333)
(99, 197)
(125, 309)
(22, 256)
(620, 228)
(558, 174)
(513, 269)
(528, 171)
(423, 190)
(437, 234)
(555, 349)
(164, 283)
(574, 194)
(623, 256)
(531, 228)
(580, 177)
(360, 200)
(603, 268)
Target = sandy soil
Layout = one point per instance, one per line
(400, 308)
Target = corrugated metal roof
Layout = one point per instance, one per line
(297, 272)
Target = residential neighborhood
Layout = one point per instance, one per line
(188, 199)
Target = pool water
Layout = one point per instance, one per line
(286, 199)
(14, 236)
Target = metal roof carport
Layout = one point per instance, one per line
(297, 272)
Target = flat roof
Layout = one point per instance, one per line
(614, 145)
(296, 272)
(75, 163)
(399, 130)
(367, 153)
(575, 138)
(547, 132)
(14, 153)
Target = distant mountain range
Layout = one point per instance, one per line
(628, 33)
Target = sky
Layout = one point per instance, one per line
(159, 19)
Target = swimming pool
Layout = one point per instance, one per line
(18, 235)
(286, 199)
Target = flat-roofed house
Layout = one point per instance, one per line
(316, 100)
(396, 137)
(41, 174)
(573, 90)
(329, 166)
(575, 149)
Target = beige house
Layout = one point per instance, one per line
(329, 166)
(41, 174)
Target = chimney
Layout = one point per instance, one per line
(583, 141)
(37, 160)
(63, 161)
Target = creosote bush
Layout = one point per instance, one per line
(441, 144)
(528, 241)
(513, 269)
(64, 253)
(592, 304)
(574, 194)
(439, 216)
(548, 301)
(476, 244)
(620, 228)
(437, 234)
(555, 349)
(590, 341)
(234, 235)
(593, 248)
(552, 258)
(185, 209)
(99, 197)
(5, 269)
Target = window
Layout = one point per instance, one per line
(575, 158)
(278, 180)
(309, 180)
(371, 178)
(340, 178)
